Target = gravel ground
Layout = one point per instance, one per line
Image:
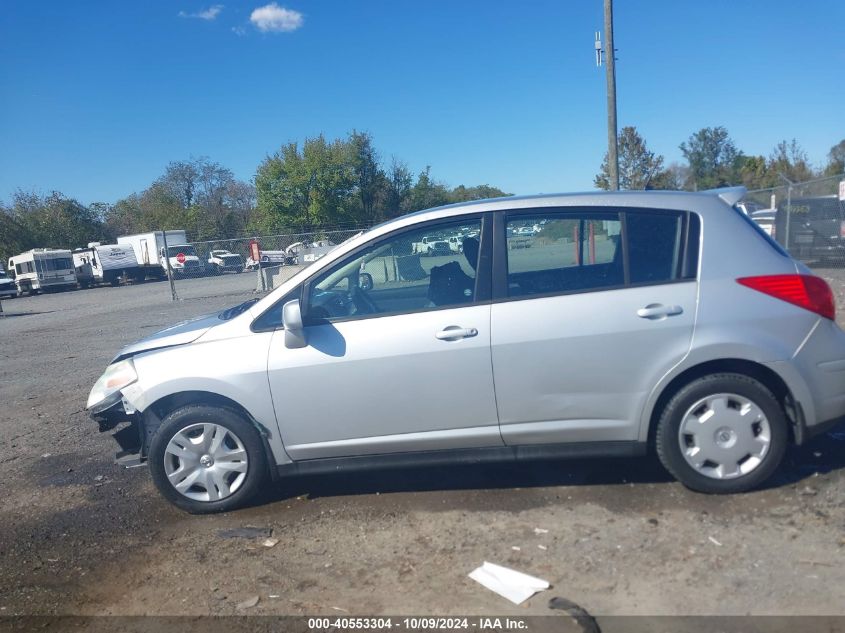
(80, 536)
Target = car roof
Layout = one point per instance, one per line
(657, 199)
(704, 202)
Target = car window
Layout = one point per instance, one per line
(558, 253)
(417, 269)
(767, 237)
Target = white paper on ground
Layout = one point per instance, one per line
(508, 583)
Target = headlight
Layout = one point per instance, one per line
(106, 391)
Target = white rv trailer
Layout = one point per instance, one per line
(100, 264)
(43, 269)
(149, 251)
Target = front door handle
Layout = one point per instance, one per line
(454, 333)
(657, 311)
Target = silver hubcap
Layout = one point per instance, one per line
(205, 462)
(724, 436)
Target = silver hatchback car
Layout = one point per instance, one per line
(629, 321)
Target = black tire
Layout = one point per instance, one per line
(257, 467)
(668, 442)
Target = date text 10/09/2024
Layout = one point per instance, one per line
(418, 624)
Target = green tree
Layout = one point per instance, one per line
(427, 193)
(836, 159)
(639, 167)
(308, 189)
(712, 158)
(479, 192)
(370, 179)
(203, 189)
(753, 172)
(198, 195)
(13, 237)
(789, 160)
(398, 189)
(125, 216)
(54, 221)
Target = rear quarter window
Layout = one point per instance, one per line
(759, 231)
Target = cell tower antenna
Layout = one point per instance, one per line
(598, 49)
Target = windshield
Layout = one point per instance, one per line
(187, 249)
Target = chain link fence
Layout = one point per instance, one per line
(235, 266)
(806, 218)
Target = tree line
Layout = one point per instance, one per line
(318, 185)
(713, 160)
(322, 184)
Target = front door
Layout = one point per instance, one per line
(397, 356)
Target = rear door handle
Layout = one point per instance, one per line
(454, 333)
(656, 311)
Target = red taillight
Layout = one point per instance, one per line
(809, 292)
(842, 229)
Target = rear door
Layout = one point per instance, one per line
(588, 314)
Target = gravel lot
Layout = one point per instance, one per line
(80, 536)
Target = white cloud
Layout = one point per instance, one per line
(273, 18)
(206, 14)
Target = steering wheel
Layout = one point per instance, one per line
(362, 302)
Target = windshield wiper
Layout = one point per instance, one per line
(231, 313)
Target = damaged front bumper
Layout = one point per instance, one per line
(128, 427)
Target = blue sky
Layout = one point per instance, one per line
(97, 97)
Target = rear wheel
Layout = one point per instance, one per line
(207, 459)
(722, 433)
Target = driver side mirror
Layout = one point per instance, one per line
(294, 329)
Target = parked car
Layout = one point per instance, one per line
(8, 289)
(270, 258)
(223, 261)
(765, 219)
(430, 246)
(456, 243)
(690, 333)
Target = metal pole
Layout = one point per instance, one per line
(173, 296)
(789, 184)
(576, 241)
(788, 213)
(610, 55)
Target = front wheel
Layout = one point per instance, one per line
(722, 433)
(206, 459)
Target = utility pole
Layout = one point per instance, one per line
(173, 296)
(610, 57)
